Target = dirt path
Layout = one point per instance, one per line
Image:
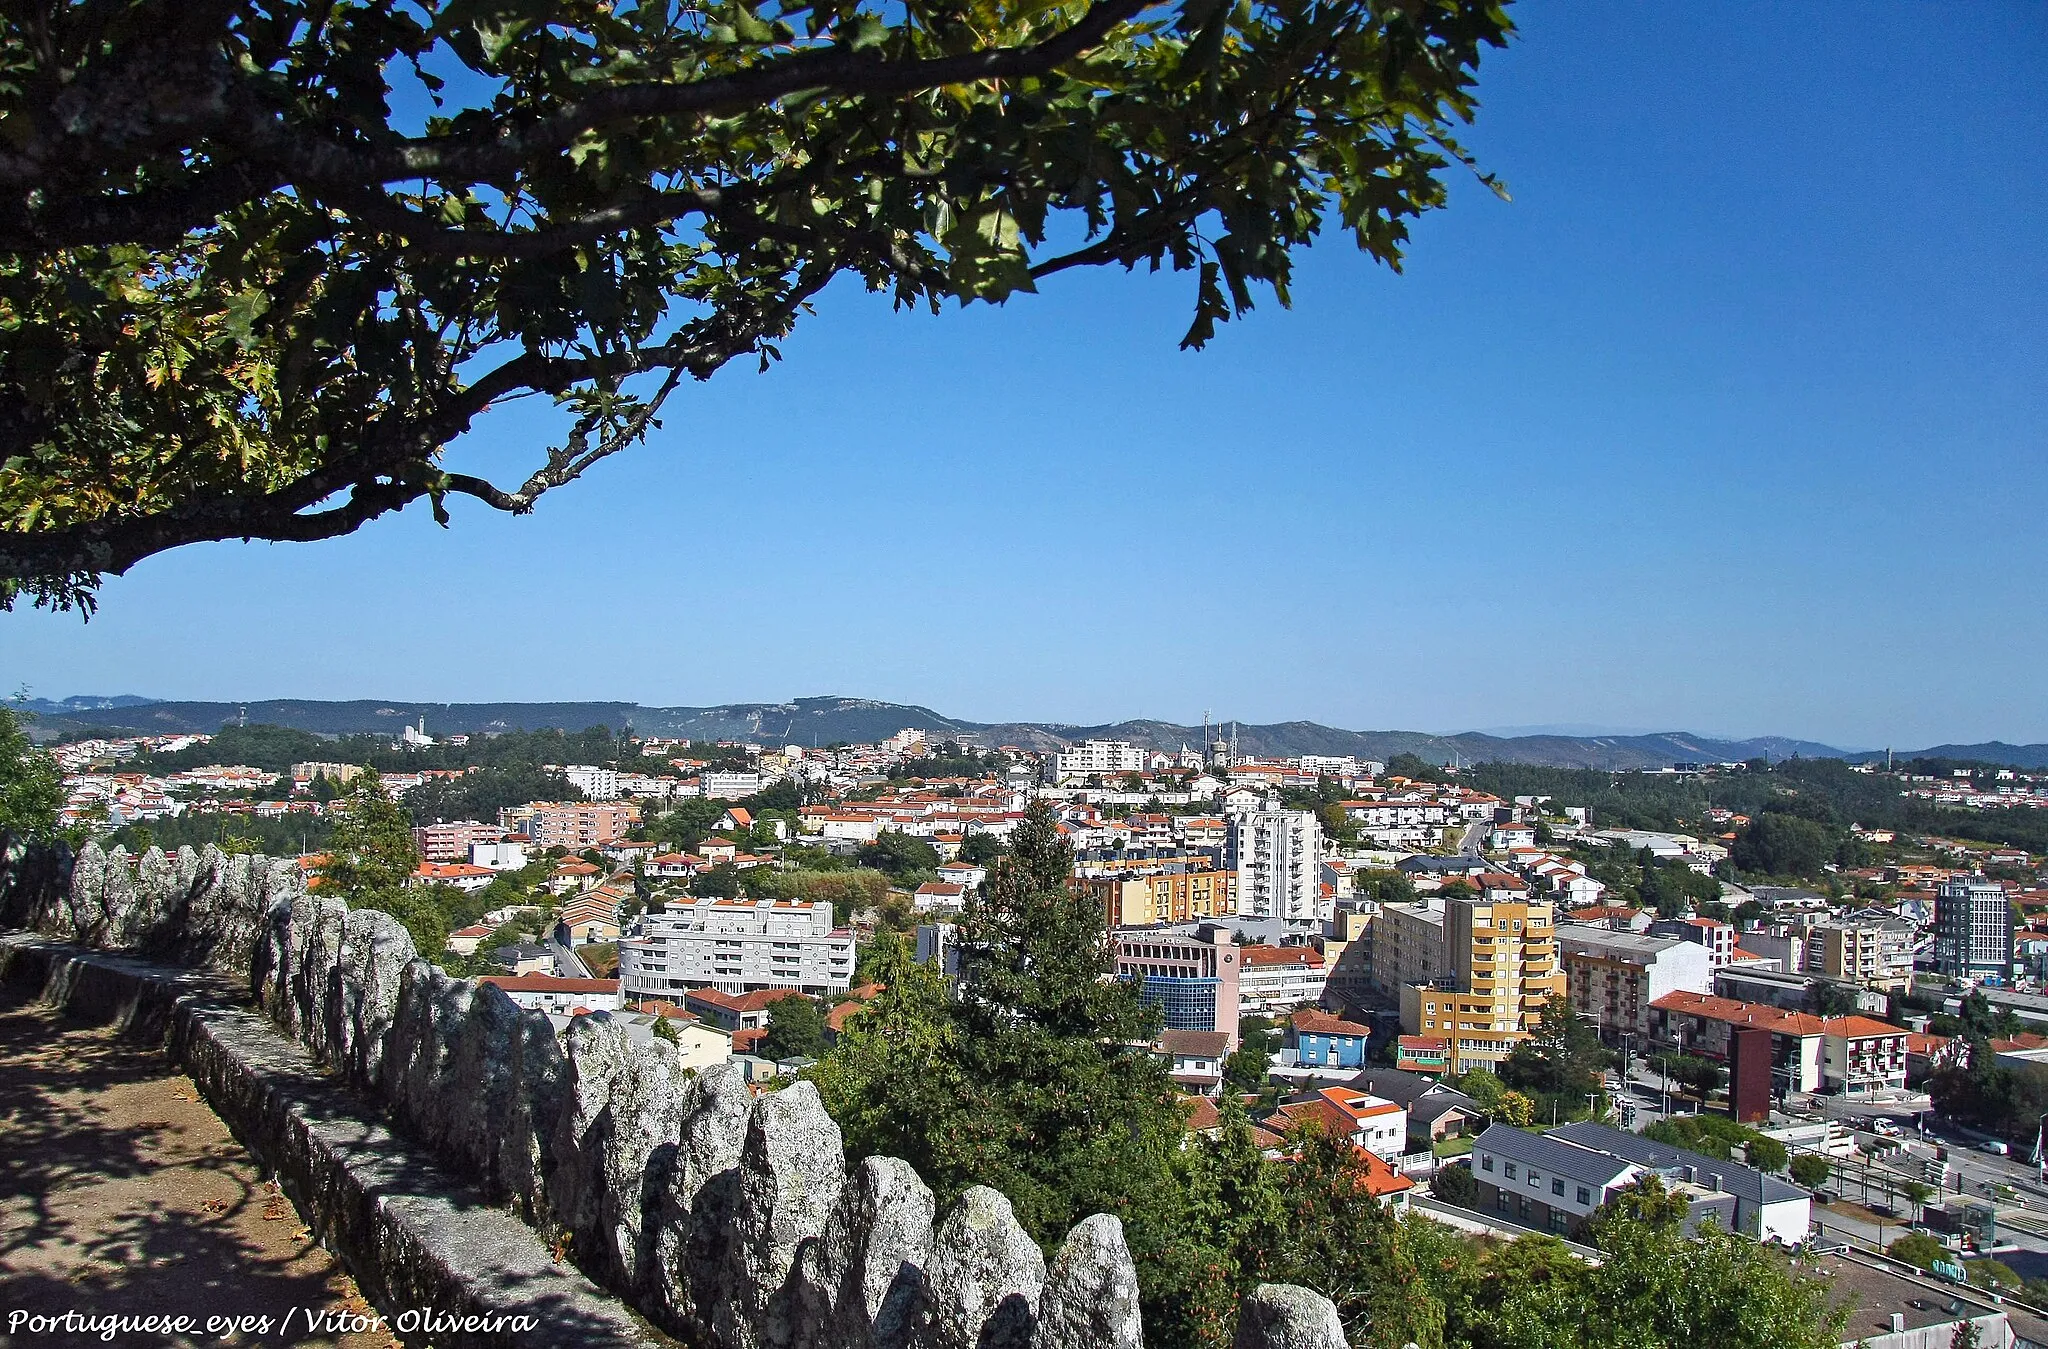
(121, 1194)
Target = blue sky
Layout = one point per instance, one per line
(1734, 420)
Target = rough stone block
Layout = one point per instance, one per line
(1284, 1316)
(703, 1181)
(1091, 1291)
(791, 1172)
(861, 1285)
(986, 1276)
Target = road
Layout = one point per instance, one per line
(1475, 834)
(568, 965)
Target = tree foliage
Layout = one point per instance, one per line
(1560, 1064)
(796, 1029)
(371, 858)
(261, 262)
(31, 788)
(1811, 1170)
(898, 854)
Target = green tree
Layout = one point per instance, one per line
(1345, 1244)
(371, 859)
(980, 847)
(1034, 1079)
(247, 301)
(1780, 844)
(1811, 1170)
(1246, 1068)
(1455, 1184)
(796, 1029)
(1916, 1194)
(1766, 1154)
(721, 881)
(1560, 1063)
(1655, 1286)
(1917, 1248)
(31, 788)
(1826, 998)
(898, 854)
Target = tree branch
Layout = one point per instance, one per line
(267, 154)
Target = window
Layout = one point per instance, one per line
(1486, 1163)
(1500, 1200)
(1556, 1186)
(1585, 1195)
(1510, 1170)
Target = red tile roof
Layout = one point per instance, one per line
(1774, 1018)
(1281, 955)
(1322, 1023)
(755, 1001)
(548, 983)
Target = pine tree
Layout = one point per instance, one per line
(1036, 1078)
(371, 860)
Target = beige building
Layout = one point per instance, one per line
(1169, 896)
(1347, 952)
(1408, 945)
(1500, 966)
(571, 825)
(1876, 955)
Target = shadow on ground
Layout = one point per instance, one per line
(121, 1193)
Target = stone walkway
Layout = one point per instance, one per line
(121, 1194)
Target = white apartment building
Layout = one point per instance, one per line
(732, 786)
(1099, 757)
(736, 946)
(599, 784)
(1278, 858)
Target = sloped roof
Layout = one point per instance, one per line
(1746, 1183)
(1198, 1044)
(1317, 1022)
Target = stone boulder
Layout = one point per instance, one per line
(1091, 1291)
(791, 1172)
(648, 1102)
(1283, 1316)
(861, 1285)
(594, 1050)
(985, 1278)
(375, 951)
(691, 1233)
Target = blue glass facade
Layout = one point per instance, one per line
(1184, 1004)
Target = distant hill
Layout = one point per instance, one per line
(1991, 751)
(823, 721)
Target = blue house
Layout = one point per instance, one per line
(1318, 1040)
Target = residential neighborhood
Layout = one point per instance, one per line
(1512, 1011)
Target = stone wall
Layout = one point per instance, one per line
(730, 1219)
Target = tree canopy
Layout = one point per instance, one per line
(370, 862)
(31, 788)
(262, 260)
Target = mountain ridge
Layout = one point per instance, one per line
(828, 719)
